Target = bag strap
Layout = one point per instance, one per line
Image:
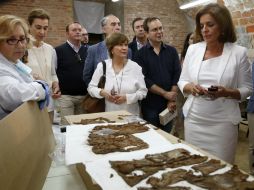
(104, 68)
(103, 77)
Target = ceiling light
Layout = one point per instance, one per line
(115, 0)
(194, 3)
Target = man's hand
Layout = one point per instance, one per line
(56, 93)
(171, 95)
(171, 106)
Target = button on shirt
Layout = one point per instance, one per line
(163, 70)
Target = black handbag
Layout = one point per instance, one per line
(94, 105)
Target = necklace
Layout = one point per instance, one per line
(119, 84)
(118, 81)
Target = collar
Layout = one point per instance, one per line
(149, 46)
(75, 48)
(139, 45)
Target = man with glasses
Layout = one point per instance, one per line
(99, 52)
(161, 68)
(70, 64)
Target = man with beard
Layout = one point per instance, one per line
(161, 68)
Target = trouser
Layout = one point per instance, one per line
(70, 105)
(152, 116)
(251, 141)
(179, 120)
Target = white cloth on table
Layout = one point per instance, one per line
(16, 87)
(129, 81)
(42, 62)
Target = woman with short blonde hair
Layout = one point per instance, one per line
(17, 85)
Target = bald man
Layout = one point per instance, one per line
(99, 52)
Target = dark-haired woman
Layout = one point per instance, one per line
(212, 114)
(125, 84)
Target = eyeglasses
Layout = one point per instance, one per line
(14, 41)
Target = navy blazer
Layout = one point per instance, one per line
(250, 107)
(95, 54)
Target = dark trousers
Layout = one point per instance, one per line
(152, 116)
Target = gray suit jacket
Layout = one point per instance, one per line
(95, 54)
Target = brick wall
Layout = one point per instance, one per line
(172, 18)
(61, 13)
(243, 16)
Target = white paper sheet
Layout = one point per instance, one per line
(78, 151)
(102, 172)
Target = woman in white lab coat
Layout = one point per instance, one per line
(17, 85)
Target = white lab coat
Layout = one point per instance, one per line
(16, 87)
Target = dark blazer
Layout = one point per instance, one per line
(134, 47)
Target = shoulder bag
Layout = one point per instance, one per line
(94, 105)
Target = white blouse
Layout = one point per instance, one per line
(129, 81)
(42, 61)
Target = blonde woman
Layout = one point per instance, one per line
(17, 85)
